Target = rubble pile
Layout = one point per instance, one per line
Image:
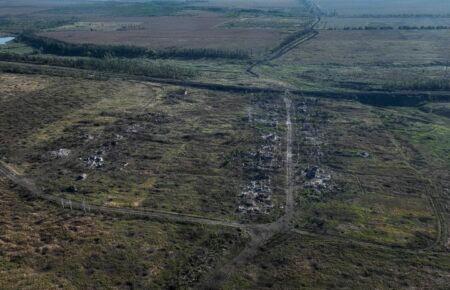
(94, 161)
(135, 128)
(314, 177)
(97, 159)
(60, 153)
(364, 154)
(256, 197)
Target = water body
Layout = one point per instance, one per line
(4, 40)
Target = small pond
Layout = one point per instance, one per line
(4, 40)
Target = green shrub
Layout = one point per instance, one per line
(158, 69)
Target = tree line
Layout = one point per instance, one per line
(403, 27)
(154, 68)
(57, 47)
(438, 84)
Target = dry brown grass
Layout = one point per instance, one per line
(197, 31)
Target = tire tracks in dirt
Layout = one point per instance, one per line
(69, 204)
(391, 98)
(304, 36)
(432, 196)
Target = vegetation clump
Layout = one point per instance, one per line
(53, 46)
(438, 84)
(159, 69)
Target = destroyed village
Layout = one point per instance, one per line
(224, 144)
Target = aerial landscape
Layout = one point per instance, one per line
(224, 144)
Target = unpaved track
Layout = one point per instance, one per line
(307, 34)
(261, 234)
(440, 214)
(361, 243)
(27, 184)
(392, 98)
(289, 164)
(432, 193)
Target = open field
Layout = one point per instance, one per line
(171, 31)
(254, 4)
(380, 22)
(166, 24)
(47, 248)
(135, 135)
(168, 145)
(379, 178)
(215, 144)
(365, 59)
(302, 262)
(385, 7)
(374, 47)
(21, 7)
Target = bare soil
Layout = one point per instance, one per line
(178, 31)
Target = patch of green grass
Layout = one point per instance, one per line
(378, 198)
(154, 8)
(296, 261)
(56, 248)
(434, 138)
(17, 48)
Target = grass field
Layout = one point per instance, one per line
(46, 248)
(320, 161)
(166, 145)
(310, 263)
(365, 59)
(385, 7)
(170, 31)
(381, 21)
(175, 24)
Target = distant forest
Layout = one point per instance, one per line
(57, 47)
(140, 67)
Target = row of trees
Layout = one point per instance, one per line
(306, 28)
(369, 28)
(404, 27)
(429, 27)
(17, 23)
(53, 46)
(438, 84)
(158, 69)
(334, 13)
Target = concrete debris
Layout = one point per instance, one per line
(270, 137)
(89, 137)
(316, 179)
(364, 154)
(94, 161)
(256, 198)
(314, 141)
(118, 137)
(250, 115)
(60, 153)
(302, 107)
(135, 128)
(268, 123)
